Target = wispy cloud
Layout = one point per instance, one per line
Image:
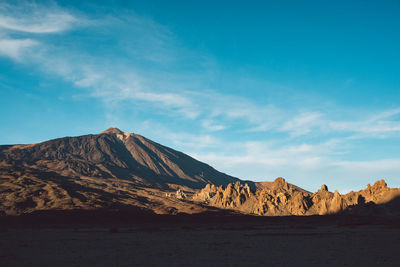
(378, 125)
(309, 165)
(302, 124)
(162, 88)
(38, 21)
(28, 18)
(16, 48)
(181, 140)
(212, 126)
(124, 81)
(269, 153)
(140, 64)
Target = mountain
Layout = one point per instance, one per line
(115, 154)
(101, 170)
(119, 171)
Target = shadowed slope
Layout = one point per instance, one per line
(108, 170)
(116, 171)
(115, 154)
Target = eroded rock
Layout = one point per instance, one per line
(282, 198)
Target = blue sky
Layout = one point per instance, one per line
(307, 90)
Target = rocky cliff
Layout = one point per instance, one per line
(116, 170)
(281, 198)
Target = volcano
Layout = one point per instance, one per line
(113, 168)
(116, 170)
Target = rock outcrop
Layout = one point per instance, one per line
(281, 198)
(180, 194)
(115, 170)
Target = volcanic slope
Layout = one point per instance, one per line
(110, 169)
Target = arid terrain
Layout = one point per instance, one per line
(205, 241)
(119, 199)
(110, 170)
(115, 170)
(199, 133)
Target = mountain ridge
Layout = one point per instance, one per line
(114, 153)
(116, 170)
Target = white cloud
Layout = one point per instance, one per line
(302, 124)
(28, 18)
(15, 49)
(177, 139)
(88, 80)
(146, 74)
(39, 21)
(370, 166)
(212, 126)
(269, 154)
(306, 165)
(378, 125)
(164, 90)
(121, 82)
(386, 114)
(169, 100)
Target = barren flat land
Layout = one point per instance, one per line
(201, 241)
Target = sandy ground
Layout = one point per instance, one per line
(202, 244)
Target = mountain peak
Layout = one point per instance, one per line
(112, 130)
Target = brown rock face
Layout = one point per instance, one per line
(180, 194)
(96, 171)
(113, 154)
(280, 198)
(324, 187)
(118, 170)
